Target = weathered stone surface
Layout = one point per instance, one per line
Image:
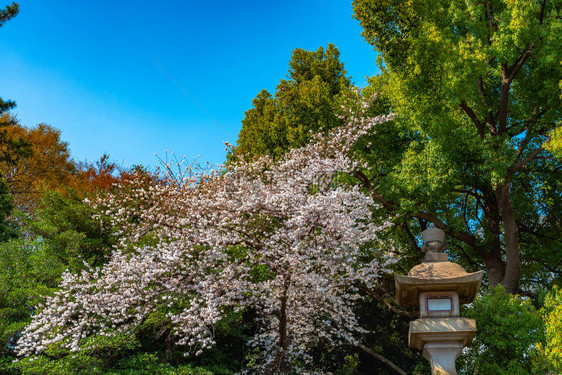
(449, 330)
(435, 257)
(442, 356)
(437, 270)
(437, 276)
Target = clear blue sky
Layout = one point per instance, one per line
(85, 68)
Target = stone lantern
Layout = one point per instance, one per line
(438, 287)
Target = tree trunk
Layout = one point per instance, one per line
(512, 273)
(281, 363)
(495, 267)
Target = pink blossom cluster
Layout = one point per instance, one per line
(282, 239)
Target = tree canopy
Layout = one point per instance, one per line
(47, 166)
(475, 87)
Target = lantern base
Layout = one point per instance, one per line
(442, 356)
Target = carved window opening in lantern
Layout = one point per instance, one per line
(439, 304)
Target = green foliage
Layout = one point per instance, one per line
(306, 101)
(387, 335)
(149, 364)
(82, 364)
(7, 227)
(555, 143)
(28, 272)
(62, 237)
(118, 354)
(350, 366)
(67, 224)
(5, 14)
(508, 329)
(148, 350)
(551, 349)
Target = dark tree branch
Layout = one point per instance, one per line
(518, 64)
(481, 92)
(439, 224)
(474, 118)
(465, 237)
(367, 184)
(490, 16)
(410, 235)
(526, 293)
(549, 268)
(387, 362)
(530, 121)
(508, 74)
(524, 143)
(541, 16)
(512, 272)
(504, 96)
(517, 166)
(468, 258)
(390, 306)
(464, 208)
(490, 116)
(468, 192)
(534, 231)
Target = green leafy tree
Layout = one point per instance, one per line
(509, 328)
(68, 227)
(63, 237)
(551, 348)
(475, 89)
(28, 271)
(304, 102)
(554, 145)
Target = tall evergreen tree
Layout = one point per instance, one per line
(306, 101)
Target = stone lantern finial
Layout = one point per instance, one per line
(433, 239)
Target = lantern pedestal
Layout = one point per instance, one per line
(447, 330)
(442, 356)
(441, 340)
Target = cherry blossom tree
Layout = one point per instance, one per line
(283, 239)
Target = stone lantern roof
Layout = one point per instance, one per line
(436, 273)
(430, 276)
